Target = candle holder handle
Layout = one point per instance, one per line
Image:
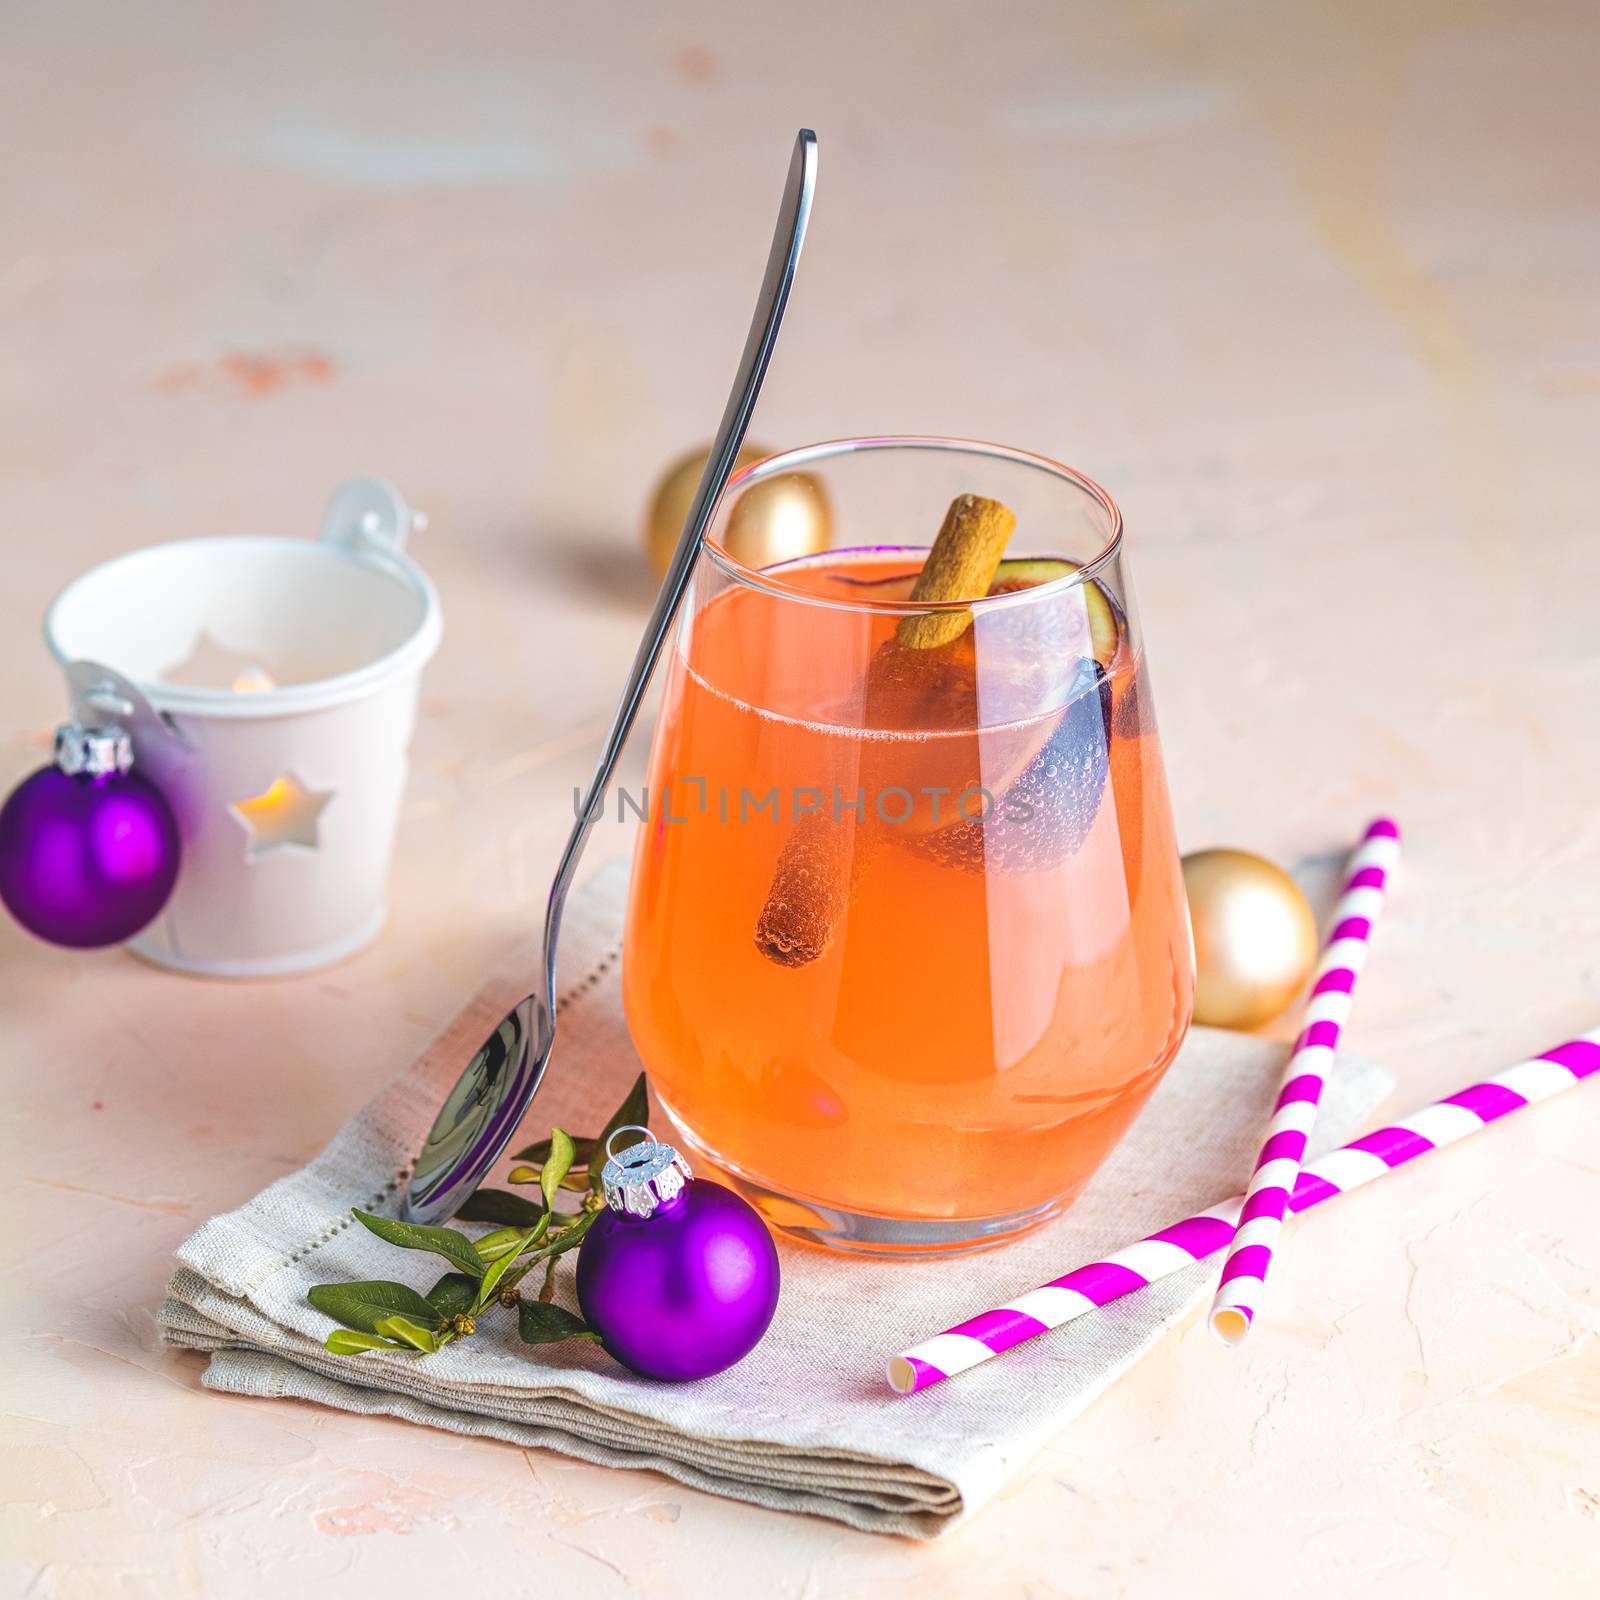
(369, 516)
(101, 695)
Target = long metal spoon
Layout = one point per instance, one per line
(490, 1097)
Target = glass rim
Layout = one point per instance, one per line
(770, 581)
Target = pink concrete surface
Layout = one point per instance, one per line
(1310, 287)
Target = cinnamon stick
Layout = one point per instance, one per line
(809, 893)
(811, 883)
(960, 566)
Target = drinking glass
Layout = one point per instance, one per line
(907, 946)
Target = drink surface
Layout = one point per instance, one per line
(1009, 973)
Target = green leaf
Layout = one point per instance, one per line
(500, 1205)
(540, 1323)
(342, 1342)
(575, 1178)
(583, 1151)
(518, 1270)
(411, 1333)
(635, 1108)
(546, 1252)
(492, 1278)
(515, 1273)
(505, 1242)
(453, 1294)
(556, 1168)
(455, 1247)
(364, 1305)
(573, 1237)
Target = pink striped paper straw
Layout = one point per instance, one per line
(1266, 1199)
(1184, 1243)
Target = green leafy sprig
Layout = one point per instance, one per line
(486, 1272)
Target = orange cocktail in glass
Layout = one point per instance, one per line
(907, 945)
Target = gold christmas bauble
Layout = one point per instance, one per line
(669, 506)
(774, 521)
(777, 520)
(1255, 938)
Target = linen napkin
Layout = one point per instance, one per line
(805, 1422)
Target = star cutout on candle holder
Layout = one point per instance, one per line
(211, 664)
(284, 814)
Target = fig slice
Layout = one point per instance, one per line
(1044, 814)
(1028, 572)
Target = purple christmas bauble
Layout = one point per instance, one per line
(88, 860)
(684, 1292)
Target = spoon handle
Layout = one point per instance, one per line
(775, 284)
(492, 1093)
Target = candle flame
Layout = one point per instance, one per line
(253, 680)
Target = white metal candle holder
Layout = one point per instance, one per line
(270, 689)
